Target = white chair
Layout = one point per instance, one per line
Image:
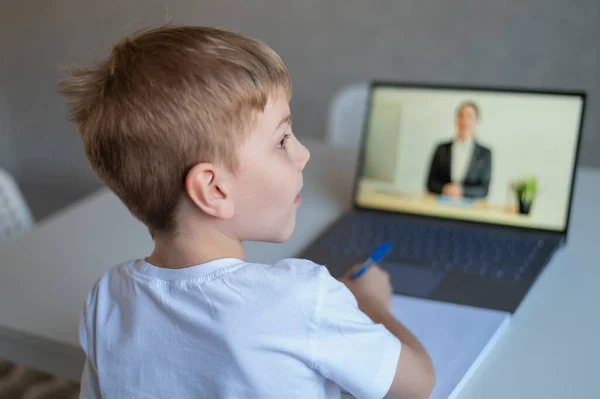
(15, 217)
(346, 115)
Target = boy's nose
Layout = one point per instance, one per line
(304, 156)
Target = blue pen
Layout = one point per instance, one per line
(375, 257)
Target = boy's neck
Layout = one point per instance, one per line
(196, 247)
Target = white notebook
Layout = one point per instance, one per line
(456, 337)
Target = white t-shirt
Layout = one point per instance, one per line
(231, 329)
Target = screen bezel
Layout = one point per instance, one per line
(431, 86)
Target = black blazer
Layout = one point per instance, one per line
(477, 181)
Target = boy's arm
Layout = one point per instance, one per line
(415, 377)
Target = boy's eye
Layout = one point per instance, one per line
(282, 142)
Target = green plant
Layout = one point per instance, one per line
(526, 189)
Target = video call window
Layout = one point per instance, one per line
(489, 156)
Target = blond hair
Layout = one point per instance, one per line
(166, 99)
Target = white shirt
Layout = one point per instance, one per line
(231, 329)
(462, 152)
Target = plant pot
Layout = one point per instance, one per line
(524, 207)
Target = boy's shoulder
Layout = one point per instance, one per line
(289, 274)
(298, 272)
(302, 278)
(109, 280)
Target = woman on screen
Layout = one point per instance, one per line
(461, 167)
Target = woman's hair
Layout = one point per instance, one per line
(471, 104)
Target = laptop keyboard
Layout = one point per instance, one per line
(437, 246)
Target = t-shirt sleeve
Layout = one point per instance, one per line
(347, 347)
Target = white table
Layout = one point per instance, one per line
(550, 350)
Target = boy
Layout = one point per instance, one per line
(191, 128)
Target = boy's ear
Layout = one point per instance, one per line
(210, 189)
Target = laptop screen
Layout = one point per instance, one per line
(492, 156)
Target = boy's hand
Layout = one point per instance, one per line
(372, 291)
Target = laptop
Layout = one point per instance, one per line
(472, 186)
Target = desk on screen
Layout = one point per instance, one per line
(379, 195)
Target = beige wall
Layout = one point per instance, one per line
(528, 135)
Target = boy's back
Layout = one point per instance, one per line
(230, 329)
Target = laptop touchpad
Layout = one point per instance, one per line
(412, 280)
